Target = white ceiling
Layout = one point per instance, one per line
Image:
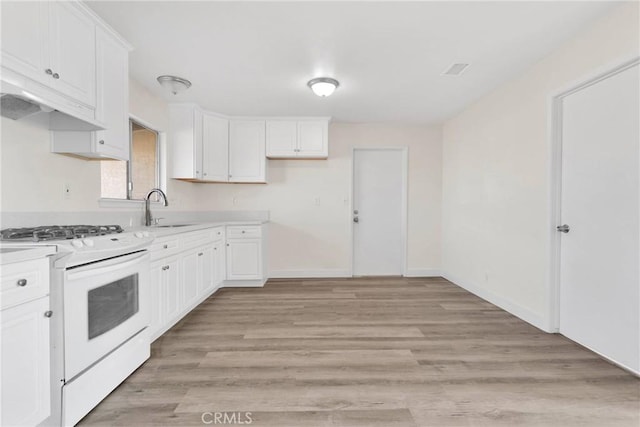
(254, 58)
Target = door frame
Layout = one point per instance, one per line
(554, 123)
(404, 204)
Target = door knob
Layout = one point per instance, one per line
(564, 228)
(356, 219)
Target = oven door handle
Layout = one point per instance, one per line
(107, 266)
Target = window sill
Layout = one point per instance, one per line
(123, 203)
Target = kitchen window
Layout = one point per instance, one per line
(133, 179)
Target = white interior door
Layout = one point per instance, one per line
(600, 255)
(378, 208)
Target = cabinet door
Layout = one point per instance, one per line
(220, 266)
(25, 364)
(25, 35)
(185, 136)
(312, 139)
(244, 261)
(247, 161)
(190, 277)
(206, 265)
(172, 291)
(215, 148)
(282, 138)
(72, 38)
(112, 97)
(156, 287)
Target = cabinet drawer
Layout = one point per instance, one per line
(218, 234)
(241, 231)
(23, 281)
(163, 247)
(195, 238)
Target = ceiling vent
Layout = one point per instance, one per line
(456, 69)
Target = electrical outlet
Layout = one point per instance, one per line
(66, 191)
(316, 201)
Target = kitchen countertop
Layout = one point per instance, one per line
(160, 231)
(9, 254)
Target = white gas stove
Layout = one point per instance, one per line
(101, 308)
(79, 244)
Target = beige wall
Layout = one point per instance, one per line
(496, 172)
(311, 238)
(33, 178)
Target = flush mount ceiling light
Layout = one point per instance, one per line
(323, 86)
(174, 84)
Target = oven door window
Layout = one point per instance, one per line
(112, 304)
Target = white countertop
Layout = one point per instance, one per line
(162, 230)
(9, 254)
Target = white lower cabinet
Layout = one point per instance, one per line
(243, 259)
(24, 342)
(191, 276)
(165, 294)
(245, 252)
(25, 364)
(187, 269)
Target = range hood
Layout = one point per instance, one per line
(23, 98)
(16, 107)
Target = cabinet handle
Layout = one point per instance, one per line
(101, 142)
(48, 313)
(56, 76)
(215, 249)
(165, 246)
(22, 282)
(200, 254)
(243, 232)
(205, 174)
(227, 244)
(48, 71)
(230, 176)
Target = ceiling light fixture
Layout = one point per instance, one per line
(323, 86)
(174, 84)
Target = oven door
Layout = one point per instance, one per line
(105, 304)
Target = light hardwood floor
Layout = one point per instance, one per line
(367, 352)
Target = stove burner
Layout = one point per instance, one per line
(58, 232)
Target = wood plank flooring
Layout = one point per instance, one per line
(367, 352)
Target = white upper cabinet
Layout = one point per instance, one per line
(185, 140)
(313, 139)
(52, 43)
(289, 139)
(200, 144)
(207, 147)
(112, 106)
(247, 161)
(72, 52)
(282, 138)
(215, 148)
(25, 38)
(113, 97)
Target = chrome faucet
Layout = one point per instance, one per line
(148, 219)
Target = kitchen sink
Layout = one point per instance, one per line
(172, 225)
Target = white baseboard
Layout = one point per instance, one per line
(422, 272)
(505, 304)
(304, 274)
